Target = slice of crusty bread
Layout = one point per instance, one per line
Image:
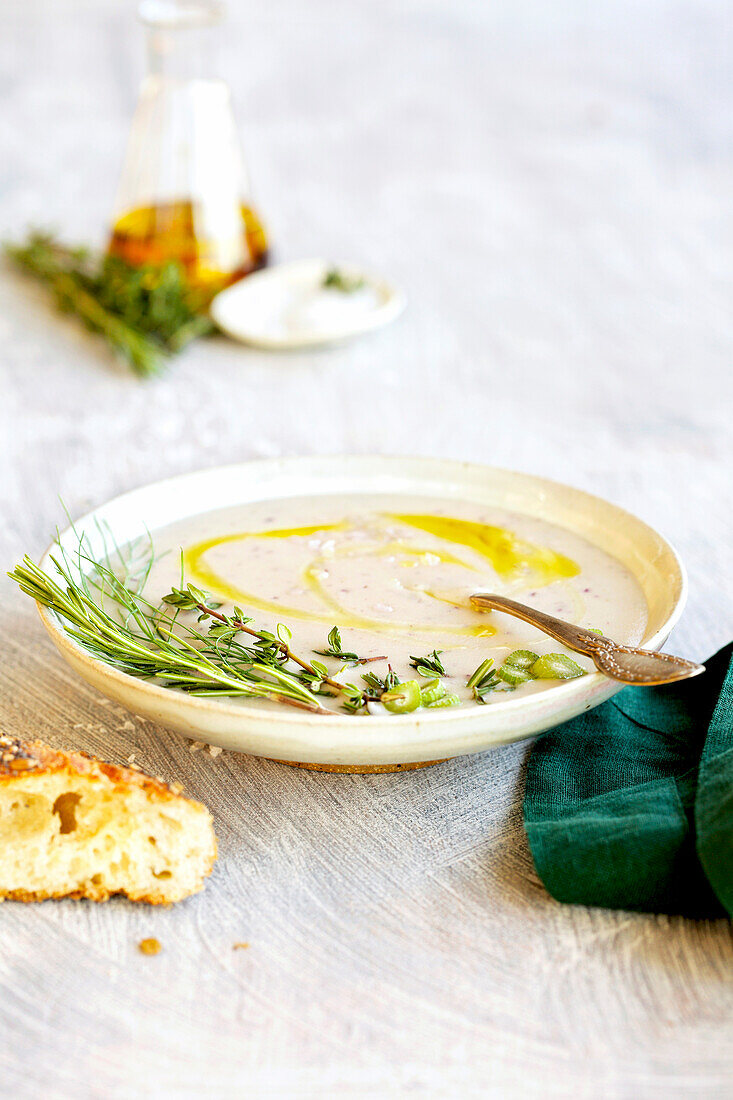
(73, 826)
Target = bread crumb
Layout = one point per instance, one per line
(239, 946)
(131, 758)
(150, 946)
(196, 746)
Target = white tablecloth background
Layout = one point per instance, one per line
(551, 184)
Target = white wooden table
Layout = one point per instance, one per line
(551, 183)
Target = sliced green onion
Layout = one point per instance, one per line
(513, 676)
(447, 700)
(403, 698)
(556, 666)
(516, 668)
(432, 691)
(521, 658)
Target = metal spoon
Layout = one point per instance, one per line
(626, 663)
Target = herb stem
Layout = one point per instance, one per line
(282, 646)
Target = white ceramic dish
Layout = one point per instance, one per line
(284, 307)
(375, 742)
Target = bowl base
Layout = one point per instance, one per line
(358, 769)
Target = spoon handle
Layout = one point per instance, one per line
(628, 664)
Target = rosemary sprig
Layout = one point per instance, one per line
(429, 666)
(484, 680)
(140, 639)
(146, 314)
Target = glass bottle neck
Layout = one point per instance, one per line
(181, 38)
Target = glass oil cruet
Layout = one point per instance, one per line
(184, 193)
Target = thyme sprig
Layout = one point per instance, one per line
(380, 684)
(335, 649)
(226, 627)
(146, 314)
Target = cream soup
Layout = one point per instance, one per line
(395, 574)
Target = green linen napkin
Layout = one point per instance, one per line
(630, 805)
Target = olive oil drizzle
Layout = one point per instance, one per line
(509, 556)
(202, 573)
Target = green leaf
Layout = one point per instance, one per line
(352, 698)
(145, 313)
(380, 684)
(481, 672)
(335, 650)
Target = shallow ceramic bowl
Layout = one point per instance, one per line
(342, 742)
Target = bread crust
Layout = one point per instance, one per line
(19, 759)
(86, 895)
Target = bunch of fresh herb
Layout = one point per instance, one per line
(145, 313)
(274, 648)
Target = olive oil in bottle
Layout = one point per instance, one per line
(171, 231)
(184, 191)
